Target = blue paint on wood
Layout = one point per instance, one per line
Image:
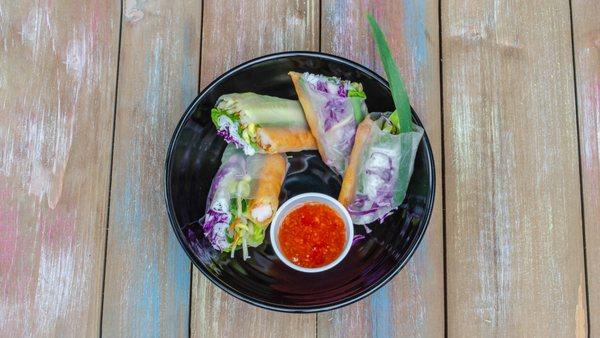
(382, 323)
(155, 298)
(156, 90)
(188, 64)
(415, 32)
(148, 305)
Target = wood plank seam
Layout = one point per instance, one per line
(581, 192)
(111, 168)
(200, 56)
(585, 39)
(443, 164)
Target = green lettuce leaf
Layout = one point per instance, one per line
(257, 236)
(356, 91)
(215, 113)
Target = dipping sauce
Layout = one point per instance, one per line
(312, 235)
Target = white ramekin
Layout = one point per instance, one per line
(298, 200)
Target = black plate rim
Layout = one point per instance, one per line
(277, 307)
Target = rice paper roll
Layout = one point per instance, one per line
(242, 199)
(333, 109)
(262, 124)
(381, 164)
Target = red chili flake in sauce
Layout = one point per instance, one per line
(312, 235)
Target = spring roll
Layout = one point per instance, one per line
(262, 124)
(381, 164)
(333, 109)
(242, 199)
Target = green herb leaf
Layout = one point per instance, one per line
(401, 117)
(233, 206)
(356, 91)
(395, 121)
(215, 113)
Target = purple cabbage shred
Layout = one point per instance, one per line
(322, 86)
(342, 91)
(213, 217)
(385, 173)
(334, 110)
(224, 132)
(357, 238)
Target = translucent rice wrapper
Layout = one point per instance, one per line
(333, 109)
(262, 124)
(244, 188)
(381, 170)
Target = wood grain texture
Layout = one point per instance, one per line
(147, 273)
(233, 32)
(237, 31)
(412, 304)
(217, 314)
(513, 210)
(586, 38)
(58, 65)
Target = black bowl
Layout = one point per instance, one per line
(194, 156)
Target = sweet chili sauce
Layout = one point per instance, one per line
(312, 235)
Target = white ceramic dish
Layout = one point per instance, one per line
(293, 203)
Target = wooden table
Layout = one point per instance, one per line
(90, 92)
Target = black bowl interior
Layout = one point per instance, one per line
(379, 251)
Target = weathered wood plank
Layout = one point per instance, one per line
(217, 314)
(586, 36)
(237, 31)
(513, 208)
(233, 32)
(58, 65)
(147, 274)
(412, 305)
